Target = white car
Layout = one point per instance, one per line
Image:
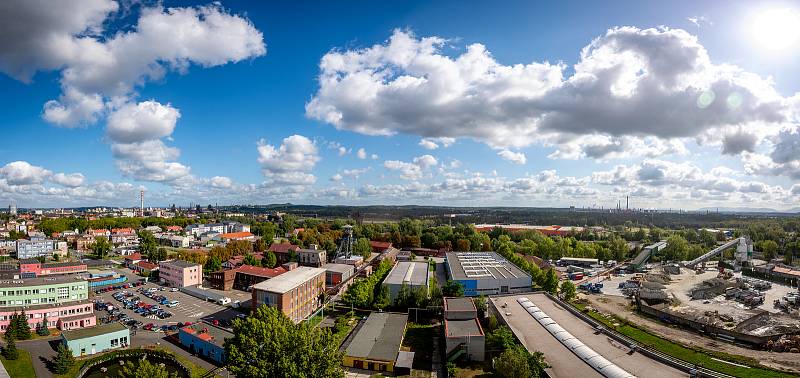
(173, 304)
(174, 289)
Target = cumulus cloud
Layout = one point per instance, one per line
(23, 173)
(221, 182)
(150, 160)
(133, 123)
(71, 180)
(631, 88)
(290, 163)
(434, 143)
(514, 157)
(413, 170)
(361, 153)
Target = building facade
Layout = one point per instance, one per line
(28, 249)
(30, 268)
(69, 316)
(179, 273)
(413, 274)
(88, 341)
(313, 256)
(205, 340)
(486, 273)
(296, 293)
(35, 291)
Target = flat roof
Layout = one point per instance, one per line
(481, 265)
(339, 268)
(38, 281)
(93, 331)
(379, 338)
(289, 280)
(459, 304)
(408, 272)
(209, 333)
(459, 328)
(179, 263)
(195, 291)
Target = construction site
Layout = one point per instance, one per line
(710, 298)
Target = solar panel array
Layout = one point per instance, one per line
(478, 265)
(588, 355)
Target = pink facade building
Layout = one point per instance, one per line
(179, 273)
(65, 317)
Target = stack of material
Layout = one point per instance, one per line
(657, 277)
(710, 288)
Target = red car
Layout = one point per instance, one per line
(148, 326)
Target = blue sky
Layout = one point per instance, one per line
(197, 102)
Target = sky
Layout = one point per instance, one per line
(673, 104)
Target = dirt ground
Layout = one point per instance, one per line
(619, 307)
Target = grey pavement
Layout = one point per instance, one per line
(41, 351)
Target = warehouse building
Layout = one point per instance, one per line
(486, 273)
(376, 344)
(335, 274)
(413, 274)
(89, 341)
(464, 336)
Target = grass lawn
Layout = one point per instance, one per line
(22, 367)
(699, 357)
(196, 371)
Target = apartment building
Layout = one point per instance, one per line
(296, 293)
(63, 300)
(28, 249)
(179, 273)
(313, 256)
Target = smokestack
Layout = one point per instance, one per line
(141, 204)
(626, 203)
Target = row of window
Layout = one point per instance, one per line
(40, 291)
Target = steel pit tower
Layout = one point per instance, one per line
(346, 243)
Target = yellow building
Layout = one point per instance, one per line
(376, 345)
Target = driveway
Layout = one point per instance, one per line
(42, 351)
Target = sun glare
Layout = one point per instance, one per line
(777, 29)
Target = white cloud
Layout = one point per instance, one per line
(71, 180)
(133, 123)
(699, 21)
(23, 173)
(514, 157)
(336, 177)
(631, 87)
(361, 153)
(221, 182)
(150, 160)
(374, 156)
(291, 162)
(434, 143)
(413, 170)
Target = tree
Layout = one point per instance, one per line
(568, 290)
(269, 260)
(101, 247)
(362, 247)
(41, 328)
(269, 344)
(769, 248)
(677, 248)
(500, 339)
(453, 289)
(144, 369)
(213, 264)
(18, 327)
(249, 259)
(260, 245)
(148, 245)
(10, 351)
(550, 283)
(480, 305)
(64, 360)
(239, 247)
(517, 362)
(618, 248)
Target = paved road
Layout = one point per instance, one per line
(41, 351)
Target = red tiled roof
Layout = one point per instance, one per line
(122, 230)
(236, 235)
(261, 272)
(283, 247)
(146, 265)
(135, 256)
(174, 228)
(380, 244)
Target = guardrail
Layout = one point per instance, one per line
(666, 359)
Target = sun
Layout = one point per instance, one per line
(777, 29)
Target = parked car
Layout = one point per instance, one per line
(173, 304)
(174, 289)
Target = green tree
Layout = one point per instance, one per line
(769, 248)
(453, 289)
(249, 259)
(550, 283)
(480, 305)
(213, 264)
(19, 328)
(101, 247)
(10, 351)
(64, 360)
(41, 328)
(260, 245)
(517, 362)
(269, 344)
(618, 248)
(500, 339)
(144, 369)
(567, 290)
(148, 245)
(269, 260)
(362, 247)
(677, 248)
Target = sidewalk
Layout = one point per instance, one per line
(3, 372)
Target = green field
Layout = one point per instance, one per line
(699, 357)
(22, 367)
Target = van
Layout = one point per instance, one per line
(223, 301)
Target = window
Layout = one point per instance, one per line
(114, 343)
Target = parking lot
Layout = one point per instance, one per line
(188, 308)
